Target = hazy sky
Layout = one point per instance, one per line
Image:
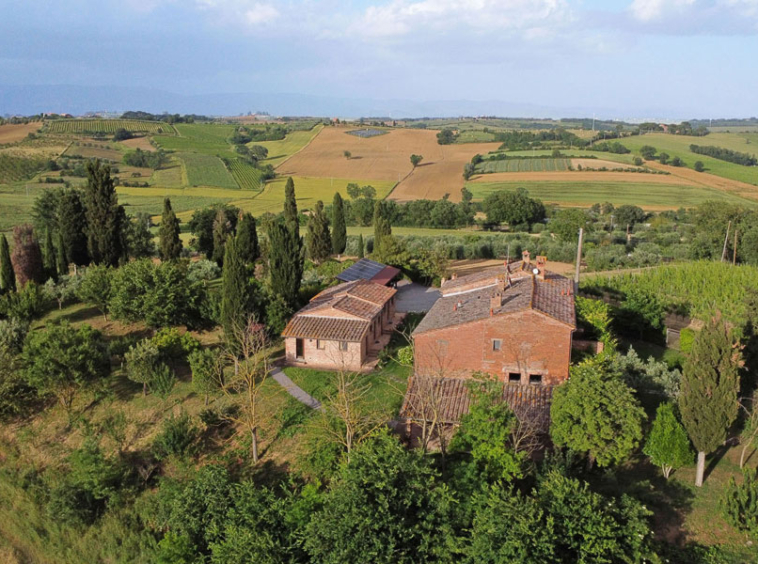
(697, 55)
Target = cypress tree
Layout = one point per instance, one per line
(106, 219)
(290, 207)
(319, 240)
(361, 253)
(72, 223)
(339, 230)
(48, 258)
(382, 227)
(168, 234)
(235, 297)
(27, 256)
(221, 229)
(60, 257)
(7, 275)
(285, 261)
(247, 239)
(710, 385)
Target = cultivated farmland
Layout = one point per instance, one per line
(14, 132)
(280, 151)
(247, 176)
(13, 169)
(523, 165)
(387, 158)
(107, 126)
(206, 170)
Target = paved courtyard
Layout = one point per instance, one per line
(412, 297)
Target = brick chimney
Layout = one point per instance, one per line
(526, 257)
(541, 263)
(496, 301)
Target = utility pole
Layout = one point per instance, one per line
(734, 254)
(726, 239)
(578, 260)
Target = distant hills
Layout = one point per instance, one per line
(78, 100)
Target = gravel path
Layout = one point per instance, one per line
(295, 391)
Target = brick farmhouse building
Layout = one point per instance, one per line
(513, 324)
(342, 328)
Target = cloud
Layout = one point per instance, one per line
(696, 17)
(261, 14)
(649, 10)
(403, 17)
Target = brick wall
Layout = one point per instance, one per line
(530, 344)
(329, 357)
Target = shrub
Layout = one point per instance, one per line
(164, 381)
(740, 503)
(686, 340)
(174, 345)
(28, 303)
(142, 360)
(177, 436)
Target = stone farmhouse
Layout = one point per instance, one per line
(342, 328)
(513, 324)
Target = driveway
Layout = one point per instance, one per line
(412, 297)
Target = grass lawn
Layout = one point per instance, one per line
(658, 196)
(279, 151)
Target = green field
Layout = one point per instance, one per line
(523, 165)
(13, 168)
(475, 136)
(657, 196)
(577, 153)
(206, 170)
(246, 175)
(210, 139)
(83, 126)
(679, 146)
(280, 151)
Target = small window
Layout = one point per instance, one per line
(343, 345)
(514, 377)
(497, 344)
(535, 378)
(320, 344)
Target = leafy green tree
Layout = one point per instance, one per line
(663, 158)
(48, 258)
(513, 208)
(168, 234)
(291, 219)
(106, 219)
(629, 215)
(285, 261)
(142, 362)
(95, 287)
(235, 297)
(201, 226)
(61, 262)
(486, 432)
(361, 246)
(699, 166)
(7, 275)
(72, 226)
(339, 228)
(139, 240)
(347, 154)
(221, 229)
(27, 256)
(647, 152)
(596, 413)
(710, 385)
(205, 367)
(318, 239)
(416, 160)
(382, 227)
(668, 445)
(45, 210)
(383, 507)
(566, 223)
(61, 360)
(247, 239)
(446, 137)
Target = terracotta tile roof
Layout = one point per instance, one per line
(483, 277)
(552, 296)
(360, 298)
(327, 328)
(452, 398)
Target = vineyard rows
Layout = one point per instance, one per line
(13, 169)
(247, 176)
(524, 165)
(108, 126)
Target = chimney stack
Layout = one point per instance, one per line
(525, 256)
(496, 301)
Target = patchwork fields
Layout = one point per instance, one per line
(108, 126)
(13, 133)
(523, 165)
